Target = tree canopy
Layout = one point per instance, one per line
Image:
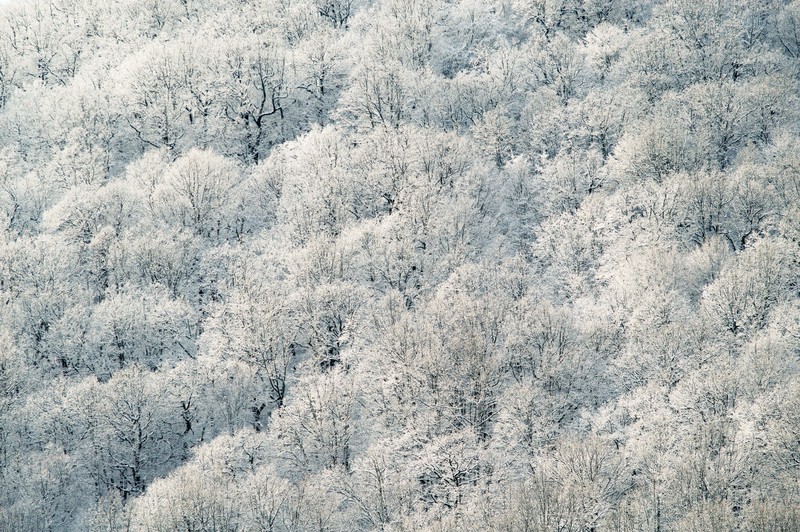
(336, 265)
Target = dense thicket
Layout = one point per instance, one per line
(399, 265)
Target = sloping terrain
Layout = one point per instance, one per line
(343, 265)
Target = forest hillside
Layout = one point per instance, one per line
(354, 265)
